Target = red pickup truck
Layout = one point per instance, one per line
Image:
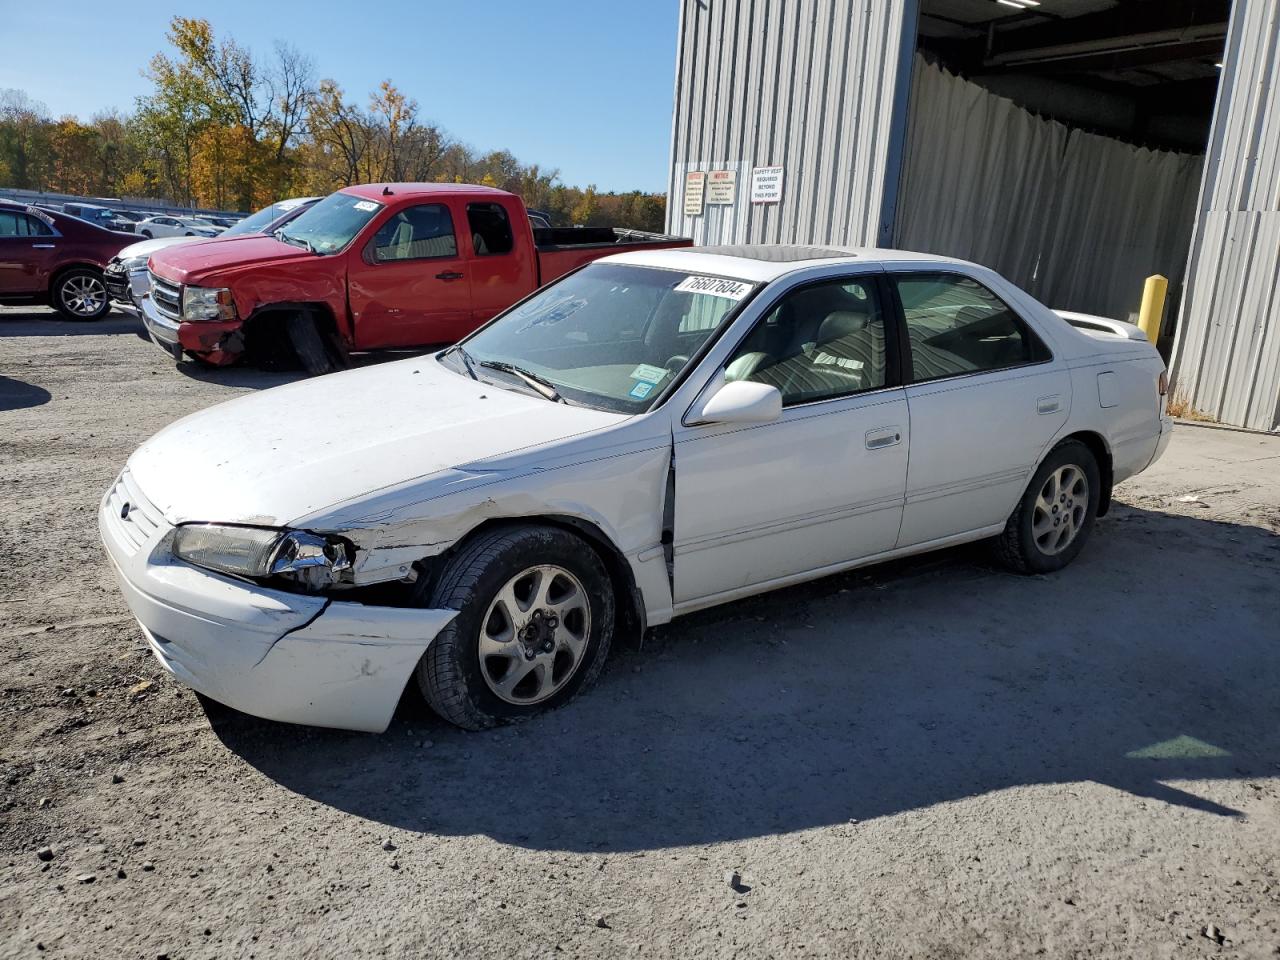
(368, 267)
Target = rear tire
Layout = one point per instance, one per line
(147, 234)
(317, 353)
(80, 294)
(1056, 513)
(487, 667)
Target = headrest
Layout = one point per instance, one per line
(841, 323)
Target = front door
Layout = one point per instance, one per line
(821, 486)
(409, 286)
(27, 251)
(986, 397)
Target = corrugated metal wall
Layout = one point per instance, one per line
(816, 86)
(1227, 357)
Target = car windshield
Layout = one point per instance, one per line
(257, 222)
(331, 224)
(611, 336)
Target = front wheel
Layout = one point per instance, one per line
(147, 234)
(81, 295)
(1056, 513)
(535, 621)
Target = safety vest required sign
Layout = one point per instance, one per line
(766, 185)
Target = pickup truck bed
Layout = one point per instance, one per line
(563, 249)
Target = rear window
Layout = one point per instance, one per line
(490, 229)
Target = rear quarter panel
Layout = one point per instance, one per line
(1131, 420)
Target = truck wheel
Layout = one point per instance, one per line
(316, 352)
(80, 294)
(534, 624)
(1055, 515)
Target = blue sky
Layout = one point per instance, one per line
(582, 86)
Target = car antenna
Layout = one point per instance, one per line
(386, 191)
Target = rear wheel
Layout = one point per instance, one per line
(534, 625)
(1055, 516)
(147, 234)
(80, 294)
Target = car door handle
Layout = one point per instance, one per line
(449, 275)
(1049, 404)
(43, 246)
(883, 437)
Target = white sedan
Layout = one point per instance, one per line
(654, 434)
(166, 226)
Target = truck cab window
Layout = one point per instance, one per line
(416, 233)
(490, 229)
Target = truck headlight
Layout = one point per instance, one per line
(311, 561)
(208, 303)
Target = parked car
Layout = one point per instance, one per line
(167, 226)
(659, 432)
(126, 274)
(368, 267)
(55, 259)
(99, 216)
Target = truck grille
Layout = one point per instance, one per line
(167, 297)
(136, 525)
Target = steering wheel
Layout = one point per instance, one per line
(675, 363)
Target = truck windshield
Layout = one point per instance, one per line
(611, 336)
(331, 224)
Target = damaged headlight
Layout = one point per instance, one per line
(311, 561)
(208, 303)
(133, 264)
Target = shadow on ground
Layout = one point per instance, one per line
(18, 394)
(47, 322)
(1153, 658)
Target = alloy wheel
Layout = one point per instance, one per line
(534, 635)
(84, 295)
(1060, 509)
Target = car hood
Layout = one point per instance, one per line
(146, 248)
(190, 263)
(276, 456)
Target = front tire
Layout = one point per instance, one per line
(80, 294)
(1056, 514)
(535, 621)
(318, 354)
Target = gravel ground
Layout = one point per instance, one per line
(929, 759)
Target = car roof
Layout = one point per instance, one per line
(764, 263)
(373, 191)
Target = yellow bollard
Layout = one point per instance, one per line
(1152, 310)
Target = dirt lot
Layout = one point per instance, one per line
(934, 759)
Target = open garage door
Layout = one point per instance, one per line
(1061, 142)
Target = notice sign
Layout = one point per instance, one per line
(766, 185)
(694, 184)
(722, 186)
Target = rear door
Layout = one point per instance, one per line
(986, 396)
(28, 247)
(409, 286)
(501, 257)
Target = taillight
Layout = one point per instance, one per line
(1163, 385)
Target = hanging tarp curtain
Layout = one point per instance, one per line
(1076, 219)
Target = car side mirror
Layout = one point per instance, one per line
(739, 401)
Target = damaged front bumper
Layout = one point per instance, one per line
(214, 341)
(273, 654)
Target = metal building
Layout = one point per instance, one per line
(1074, 145)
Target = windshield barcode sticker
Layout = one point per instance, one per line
(366, 205)
(714, 287)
